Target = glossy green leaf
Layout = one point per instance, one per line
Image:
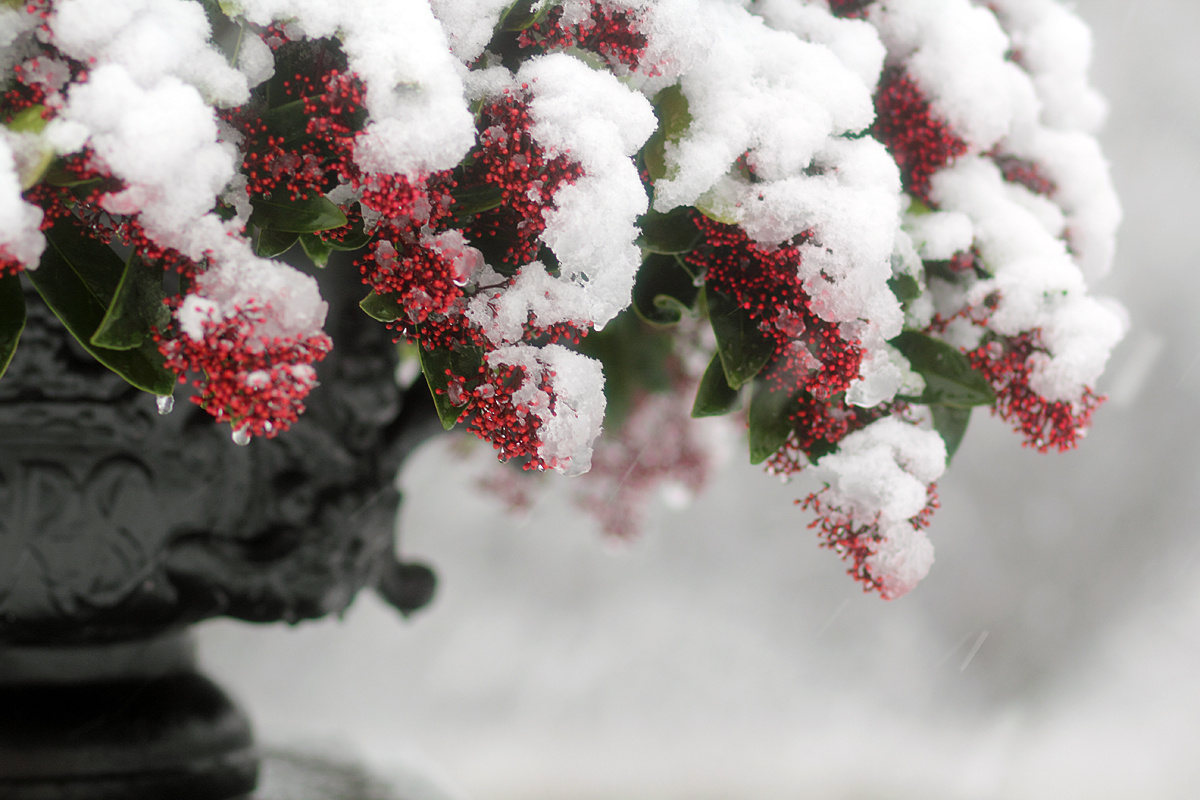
(316, 248)
(65, 280)
(743, 348)
(670, 233)
(225, 33)
(949, 378)
(770, 421)
(12, 318)
(34, 166)
(436, 364)
(634, 356)
(522, 15)
(92, 262)
(674, 117)
(951, 424)
(297, 216)
(57, 175)
(906, 287)
(288, 120)
(355, 238)
(472, 200)
(29, 120)
(663, 290)
(272, 243)
(34, 170)
(719, 208)
(136, 306)
(383, 307)
(714, 396)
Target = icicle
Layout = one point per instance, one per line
(241, 437)
(166, 402)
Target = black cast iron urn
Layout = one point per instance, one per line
(120, 526)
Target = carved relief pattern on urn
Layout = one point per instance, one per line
(120, 521)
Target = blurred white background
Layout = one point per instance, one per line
(1054, 651)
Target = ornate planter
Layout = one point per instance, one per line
(120, 526)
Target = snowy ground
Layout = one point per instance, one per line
(1049, 654)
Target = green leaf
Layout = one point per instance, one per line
(288, 120)
(316, 248)
(383, 307)
(28, 121)
(670, 233)
(472, 200)
(916, 208)
(674, 118)
(743, 349)
(663, 290)
(32, 169)
(225, 33)
(272, 243)
(64, 280)
(635, 358)
(355, 238)
(951, 424)
(435, 364)
(714, 396)
(12, 318)
(521, 15)
(136, 306)
(297, 216)
(770, 421)
(93, 263)
(719, 208)
(57, 175)
(949, 378)
(906, 287)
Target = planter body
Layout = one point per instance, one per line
(120, 526)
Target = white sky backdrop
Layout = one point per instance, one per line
(1052, 652)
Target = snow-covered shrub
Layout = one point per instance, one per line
(842, 223)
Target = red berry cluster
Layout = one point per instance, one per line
(8, 264)
(849, 8)
(818, 426)
(256, 384)
(402, 261)
(509, 159)
(492, 414)
(286, 164)
(431, 267)
(856, 541)
(23, 93)
(1025, 172)
(810, 353)
(613, 33)
(919, 141)
(1006, 362)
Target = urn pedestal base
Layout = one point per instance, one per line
(129, 721)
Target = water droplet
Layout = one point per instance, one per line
(456, 394)
(165, 404)
(241, 437)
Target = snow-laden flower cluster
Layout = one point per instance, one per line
(881, 212)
